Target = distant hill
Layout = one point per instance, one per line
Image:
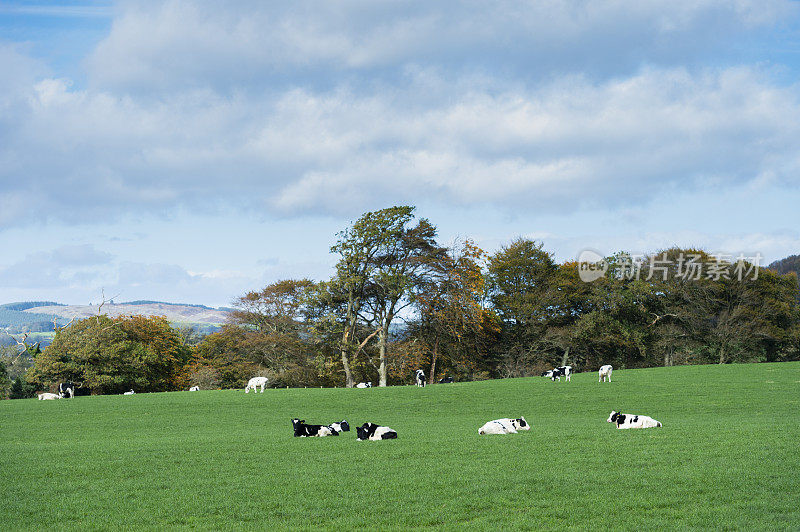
(787, 265)
(38, 316)
(174, 312)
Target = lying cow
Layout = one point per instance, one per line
(194, 389)
(340, 426)
(420, 378)
(371, 431)
(254, 383)
(67, 388)
(129, 393)
(504, 426)
(301, 430)
(630, 421)
(561, 371)
(50, 396)
(364, 384)
(604, 373)
(446, 380)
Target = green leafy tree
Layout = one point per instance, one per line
(5, 381)
(382, 261)
(111, 355)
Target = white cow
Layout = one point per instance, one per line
(255, 382)
(194, 389)
(364, 384)
(49, 396)
(504, 426)
(605, 373)
(631, 421)
(129, 393)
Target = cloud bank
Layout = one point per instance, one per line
(330, 108)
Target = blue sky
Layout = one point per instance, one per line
(191, 151)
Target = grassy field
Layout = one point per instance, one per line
(728, 456)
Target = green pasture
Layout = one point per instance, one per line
(728, 456)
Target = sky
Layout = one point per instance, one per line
(194, 151)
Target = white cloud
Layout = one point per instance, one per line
(174, 44)
(63, 266)
(292, 109)
(89, 155)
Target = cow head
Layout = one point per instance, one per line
(613, 417)
(521, 424)
(345, 426)
(362, 432)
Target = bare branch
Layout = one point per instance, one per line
(659, 318)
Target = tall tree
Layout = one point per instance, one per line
(453, 322)
(523, 289)
(381, 261)
(406, 257)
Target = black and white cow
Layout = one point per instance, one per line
(446, 380)
(561, 371)
(604, 373)
(301, 430)
(504, 426)
(420, 378)
(548, 373)
(631, 421)
(340, 426)
(371, 431)
(67, 389)
(364, 384)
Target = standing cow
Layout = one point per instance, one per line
(604, 373)
(67, 388)
(420, 378)
(254, 383)
(561, 371)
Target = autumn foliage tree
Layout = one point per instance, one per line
(111, 355)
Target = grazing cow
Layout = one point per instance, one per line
(49, 396)
(194, 389)
(371, 431)
(254, 383)
(301, 430)
(446, 380)
(420, 378)
(364, 384)
(561, 371)
(129, 393)
(341, 426)
(504, 426)
(67, 388)
(548, 373)
(604, 373)
(630, 421)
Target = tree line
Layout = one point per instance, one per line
(399, 300)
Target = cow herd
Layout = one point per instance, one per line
(372, 431)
